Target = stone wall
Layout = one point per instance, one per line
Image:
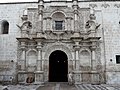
(7, 71)
(8, 43)
(107, 14)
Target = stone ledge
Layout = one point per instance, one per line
(87, 72)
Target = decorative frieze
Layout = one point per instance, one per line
(105, 5)
(117, 5)
(93, 5)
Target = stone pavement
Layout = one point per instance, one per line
(61, 86)
(57, 86)
(20, 87)
(65, 86)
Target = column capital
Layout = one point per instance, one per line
(76, 47)
(75, 11)
(23, 48)
(39, 47)
(40, 12)
(93, 47)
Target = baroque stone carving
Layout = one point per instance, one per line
(117, 5)
(58, 46)
(93, 5)
(26, 25)
(91, 25)
(105, 5)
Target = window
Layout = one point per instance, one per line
(58, 25)
(118, 59)
(5, 27)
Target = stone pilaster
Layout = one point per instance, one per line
(76, 39)
(93, 61)
(23, 56)
(39, 48)
(39, 73)
(69, 23)
(40, 13)
(75, 7)
(94, 41)
(76, 57)
(40, 19)
(23, 43)
(39, 61)
(48, 23)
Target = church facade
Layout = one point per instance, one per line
(43, 41)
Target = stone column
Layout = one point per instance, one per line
(76, 48)
(77, 76)
(65, 25)
(39, 61)
(93, 61)
(69, 23)
(38, 73)
(75, 21)
(40, 12)
(23, 57)
(75, 7)
(77, 58)
(48, 23)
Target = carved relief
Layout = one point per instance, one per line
(57, 46)
(91, 25)
(25, 28)
(60, 40)
(86, 78)
(93, 5)
(105, 5)
(85, 68)
(117, 5)
(80, 21)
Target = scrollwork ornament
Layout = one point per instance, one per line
(105, 5)
(117, 5)
(93, 5)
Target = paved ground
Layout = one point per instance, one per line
(65, 86)
(61, 86)
(19, 87)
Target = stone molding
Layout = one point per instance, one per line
(59, 46)
(93, 5)
(105, 5)
(117, 5)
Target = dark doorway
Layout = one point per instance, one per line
(58, 67)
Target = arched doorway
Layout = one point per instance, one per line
(58, 66)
